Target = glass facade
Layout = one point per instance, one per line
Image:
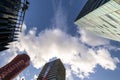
(54, 70)
(90, 6)
(11, 19)
(103, 21)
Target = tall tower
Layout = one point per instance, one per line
(12, 14)
(54, 70)
(13, 68)
(101, 17)
(90, 6)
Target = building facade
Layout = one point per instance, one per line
(11, 18)
(54, 70)
(102, 18)
(13, 68)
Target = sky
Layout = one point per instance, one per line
(49, 33)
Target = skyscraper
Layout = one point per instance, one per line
(13, 68)
(90, 6)
(11, 18)
(101, 17)
(54, 70)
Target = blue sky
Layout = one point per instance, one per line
(49, 32)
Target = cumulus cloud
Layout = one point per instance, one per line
(35, 77)
(91, 39)
(8, 55)
(20, 78)
(69, 75)
(71, 50)
(50, 43)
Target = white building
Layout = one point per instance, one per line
(103, 21)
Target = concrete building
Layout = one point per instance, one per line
(54, 70)
(101, 17)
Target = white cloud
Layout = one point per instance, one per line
(48, 44)
(69, 75)
(35, 77)
(91, 39)
(56, 43)
(20, 78)
(86, 64)
(8, 55)
(102, 55)
(71, 50)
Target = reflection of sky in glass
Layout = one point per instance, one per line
(48, 69)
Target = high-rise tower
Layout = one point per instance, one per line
(90, 6)
(12, 14)
(54, 70)
(13, 68)
(101, 17)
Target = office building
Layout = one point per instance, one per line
(12, 14)
(54, 70)
(101, 17)
(13, 68)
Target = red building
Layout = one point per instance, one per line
(13, 68)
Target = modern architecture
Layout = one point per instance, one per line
(54, 70)
(12, 14)
(101, 17)
(13, 68)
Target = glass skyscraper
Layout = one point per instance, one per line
(11, 18)
(54, 70)
(101, 17)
